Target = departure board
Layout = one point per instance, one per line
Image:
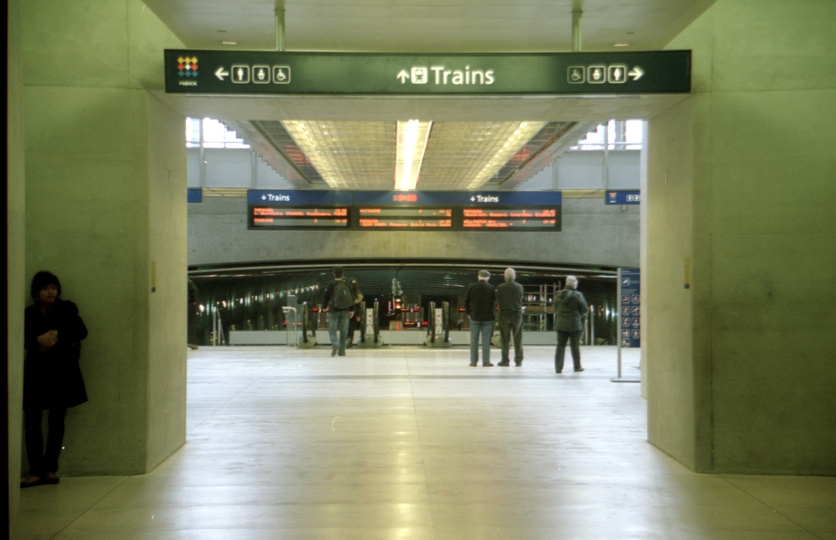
(404, 210)
(516, 218)
(298, 217)
(404, 217)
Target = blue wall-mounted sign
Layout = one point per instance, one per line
(194, 195)
(514, 198)
(275, 196)
(623, 197)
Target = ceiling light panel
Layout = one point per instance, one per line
(348, 155)
(465, 155)
(412, 143)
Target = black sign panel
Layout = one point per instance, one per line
(511, 218)
(298, 217)
(414, 218)
(292, 209)
(265, 72)
(404, 211)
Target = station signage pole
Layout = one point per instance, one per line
(629, 316)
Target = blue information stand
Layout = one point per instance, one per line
(629, 308)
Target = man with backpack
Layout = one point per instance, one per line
(338, 302)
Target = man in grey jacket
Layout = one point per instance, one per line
(509, 295)
(570, 310)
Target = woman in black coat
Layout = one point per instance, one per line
(52, 380)
(571, 310)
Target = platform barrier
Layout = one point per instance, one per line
(386, 337)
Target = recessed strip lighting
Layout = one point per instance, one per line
(412, 143)
(229, 43)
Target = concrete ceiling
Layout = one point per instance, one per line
(428, 25)
(452, 26)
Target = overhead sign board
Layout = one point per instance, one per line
(511, 210)
(404, 210)
(266, 72)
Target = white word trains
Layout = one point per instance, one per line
(454, 76)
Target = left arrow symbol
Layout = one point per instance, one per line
(221, 73)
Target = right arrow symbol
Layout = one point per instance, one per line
(221, 73)
(636, 73)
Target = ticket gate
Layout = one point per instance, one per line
(370, 326)
(290, 324)
(309, 323)
(438, 331)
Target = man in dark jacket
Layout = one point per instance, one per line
(479, 306)
(570, 311)
(338, 315)
(509, 295)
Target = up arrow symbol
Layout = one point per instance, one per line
(403, 76)
(636, 73)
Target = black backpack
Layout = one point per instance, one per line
(343, 297)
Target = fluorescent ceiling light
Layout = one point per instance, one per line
(505, 144)
(412, 142)
(347, 155)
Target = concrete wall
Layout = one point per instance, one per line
(585, 169)
(742, 180)
(232, 168)
(105, 211)
(16, 254)
(593, 234)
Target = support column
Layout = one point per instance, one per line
(16, 289)
(106, 212)
(740, 197)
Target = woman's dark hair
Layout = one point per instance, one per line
(41, 280)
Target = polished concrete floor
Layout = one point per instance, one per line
(410, 443)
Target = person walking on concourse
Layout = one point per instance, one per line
(338, 302)
(509, 295)
(479, 305)
(571, 310)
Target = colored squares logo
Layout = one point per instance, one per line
(187, 66)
